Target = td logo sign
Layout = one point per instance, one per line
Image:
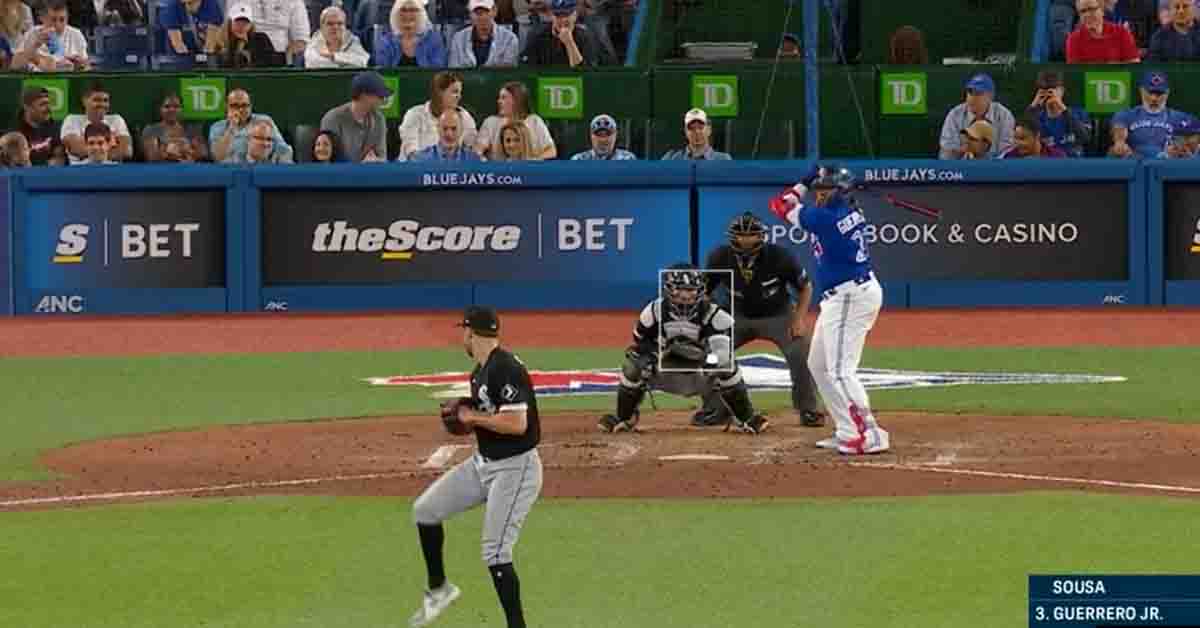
(391, 105)
(903, 94)
(203, 99)
(1107, 92)
(716, 95)
(59, 90)
(560, 97)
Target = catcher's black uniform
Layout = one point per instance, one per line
(682, 348)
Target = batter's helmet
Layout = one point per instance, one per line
(831, 176)
(683, 290)
(746, 224)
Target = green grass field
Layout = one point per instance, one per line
(272, 561)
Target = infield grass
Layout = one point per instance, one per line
(53, 402)
(354, 562)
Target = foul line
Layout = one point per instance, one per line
(216, 488)
(1167, 488)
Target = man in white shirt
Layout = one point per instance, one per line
(334, 46)
(95, 105)
(284, 21)
(56, 46)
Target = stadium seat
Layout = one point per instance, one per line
(179, 63)
(122, 40)
(117, 62)
(302, 141)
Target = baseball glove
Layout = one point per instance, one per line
(450, 415)
(683, 349)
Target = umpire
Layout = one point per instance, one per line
(764, 308)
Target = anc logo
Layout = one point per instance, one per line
(762, 371)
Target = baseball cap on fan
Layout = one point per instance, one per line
(1155, 82)
(562, 7)
(241, 12)
(481, 4)
(481, 320)
(981, 83)
(694, 115)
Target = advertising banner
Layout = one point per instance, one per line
(1182, 226)
(380, 236)
(988, 231)
(124, 239)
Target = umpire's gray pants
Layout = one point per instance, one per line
(509, 487)
(776, 329)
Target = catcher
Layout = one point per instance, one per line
(505, 474)
(681, 345)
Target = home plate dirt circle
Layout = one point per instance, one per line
(399, 456)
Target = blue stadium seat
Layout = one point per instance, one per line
(122, 40)
(120, 62)
(179, 63)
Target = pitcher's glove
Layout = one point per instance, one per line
(450, 415)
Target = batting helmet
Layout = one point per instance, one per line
(831, 176)
(746, 224)
(683, 290)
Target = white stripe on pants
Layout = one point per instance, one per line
(837, 345)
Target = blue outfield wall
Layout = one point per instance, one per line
(574, 235)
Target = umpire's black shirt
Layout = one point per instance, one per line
(759, 288)
(503, 383)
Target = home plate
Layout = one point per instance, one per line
(709, 457)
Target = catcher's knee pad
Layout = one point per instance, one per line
(738, 399)
(632, 373)
(730, 380)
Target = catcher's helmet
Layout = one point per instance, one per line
(683, 290)
(746, 224)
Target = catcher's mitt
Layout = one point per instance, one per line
(684, 349)
(450, 417)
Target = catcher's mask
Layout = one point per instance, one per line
(747, 235)
(683, 287)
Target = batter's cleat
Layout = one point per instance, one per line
(873, 441)
(609, 423)
(812, 418)
(707, 418)
(756, 425)
(433, 604)
(828, 443)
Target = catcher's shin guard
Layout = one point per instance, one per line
(628, 400)
(737, 397)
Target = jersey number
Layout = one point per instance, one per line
(861, 240)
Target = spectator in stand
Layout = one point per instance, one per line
(14, 150)
(98, 140)
(907, 47)
(978, 105)
(54, 46)
(414, 41)
(369, 14)
(1185, 140)
(595, 16)
(790, 47)
(95, 105)
(324, 149)
(240, 45)
(564, 42)
(35, 123)
(333, 46)
(1027, 142)
(1180, 41)
(284, 21)
(514, 143)
(359, 123)
(483, 44)
(513, 106)
(156, 136)
(1143, 131)
(1097, 40)
(228, 139)
(262, 148)
(698, 132)
(189, 23)
(1067, 128)
(16, 19)
(419, 128)
(977, 140)
(604, 141)
(450, 145)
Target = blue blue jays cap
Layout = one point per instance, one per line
(981, 83)
(1185, 127)
(562, 7)
(369, 83)
(1155, 82)
(604, 122)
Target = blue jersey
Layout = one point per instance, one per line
(1059, 132)
(839, 242)
(1148, 132)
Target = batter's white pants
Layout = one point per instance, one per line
(837, 345)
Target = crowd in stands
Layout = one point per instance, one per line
(440, 129)
(62, 35)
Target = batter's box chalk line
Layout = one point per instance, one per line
(1029, 477)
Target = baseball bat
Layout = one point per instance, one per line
(916, 208)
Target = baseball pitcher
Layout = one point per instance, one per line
(505, 473)
(769, 298)
(850, 302)
(681, 345)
